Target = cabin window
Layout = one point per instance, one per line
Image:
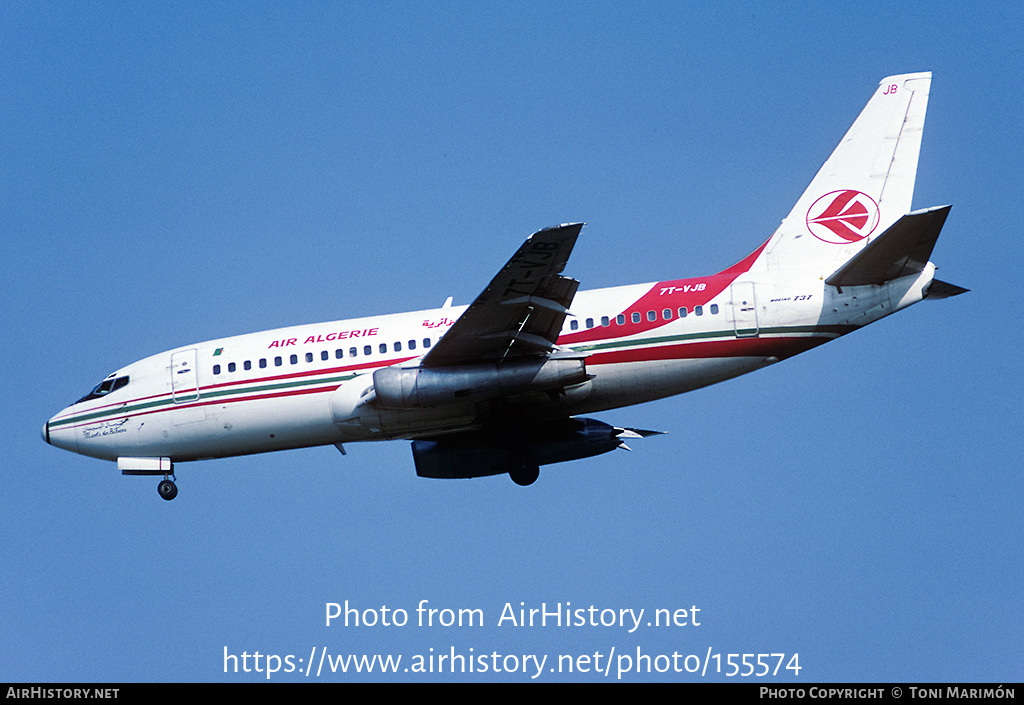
(216, 369)
(620, 319)
(574, 325)
(652, 316)
(698, 310)
(412, 344)
(367, 350)
(339, 353)
(398, 346)
(309, 357)
(426, 342)
(352, 352)
(636, 316)
(383, 348)
(605, 322)
(590, 323)
(667, 314)
(325, 355)
(278, 361)
(714, 309)
(231, 367)
(294, 359)
(247, 365)
(682, 312)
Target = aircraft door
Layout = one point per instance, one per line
(744, 310)
(184, 376)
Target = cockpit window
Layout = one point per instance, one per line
(104, 388)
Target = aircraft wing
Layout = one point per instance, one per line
(521, 311)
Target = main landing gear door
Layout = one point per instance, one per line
(744, 310)
(184, 376)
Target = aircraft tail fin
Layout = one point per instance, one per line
(865, 186)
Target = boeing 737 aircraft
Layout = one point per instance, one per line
(499, 386)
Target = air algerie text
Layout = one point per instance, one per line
(343, 335)
(559, 615)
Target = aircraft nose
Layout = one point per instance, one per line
(58, 436)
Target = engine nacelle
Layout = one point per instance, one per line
(420, 387)
(479, 455)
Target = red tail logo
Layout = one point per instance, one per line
(842, 217)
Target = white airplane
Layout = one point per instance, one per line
(499, 386)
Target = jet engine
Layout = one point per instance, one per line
(421, 387)
(518, 451)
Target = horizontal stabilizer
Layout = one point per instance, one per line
(943, 290)
(903, 249)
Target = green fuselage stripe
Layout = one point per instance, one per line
(207, 394)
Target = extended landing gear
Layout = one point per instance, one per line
(152, 466)
(524, 470)
(167, 489)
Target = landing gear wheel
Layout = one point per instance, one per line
(524, 471)
(167, 489)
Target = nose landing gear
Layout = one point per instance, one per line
(152, 466)
(167, 489)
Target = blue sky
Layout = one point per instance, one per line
(175, 172)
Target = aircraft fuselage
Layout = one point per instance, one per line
(300, 386)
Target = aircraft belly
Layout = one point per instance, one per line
(624, 384)
(238, 428)
(371, 424)
(614, 385)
